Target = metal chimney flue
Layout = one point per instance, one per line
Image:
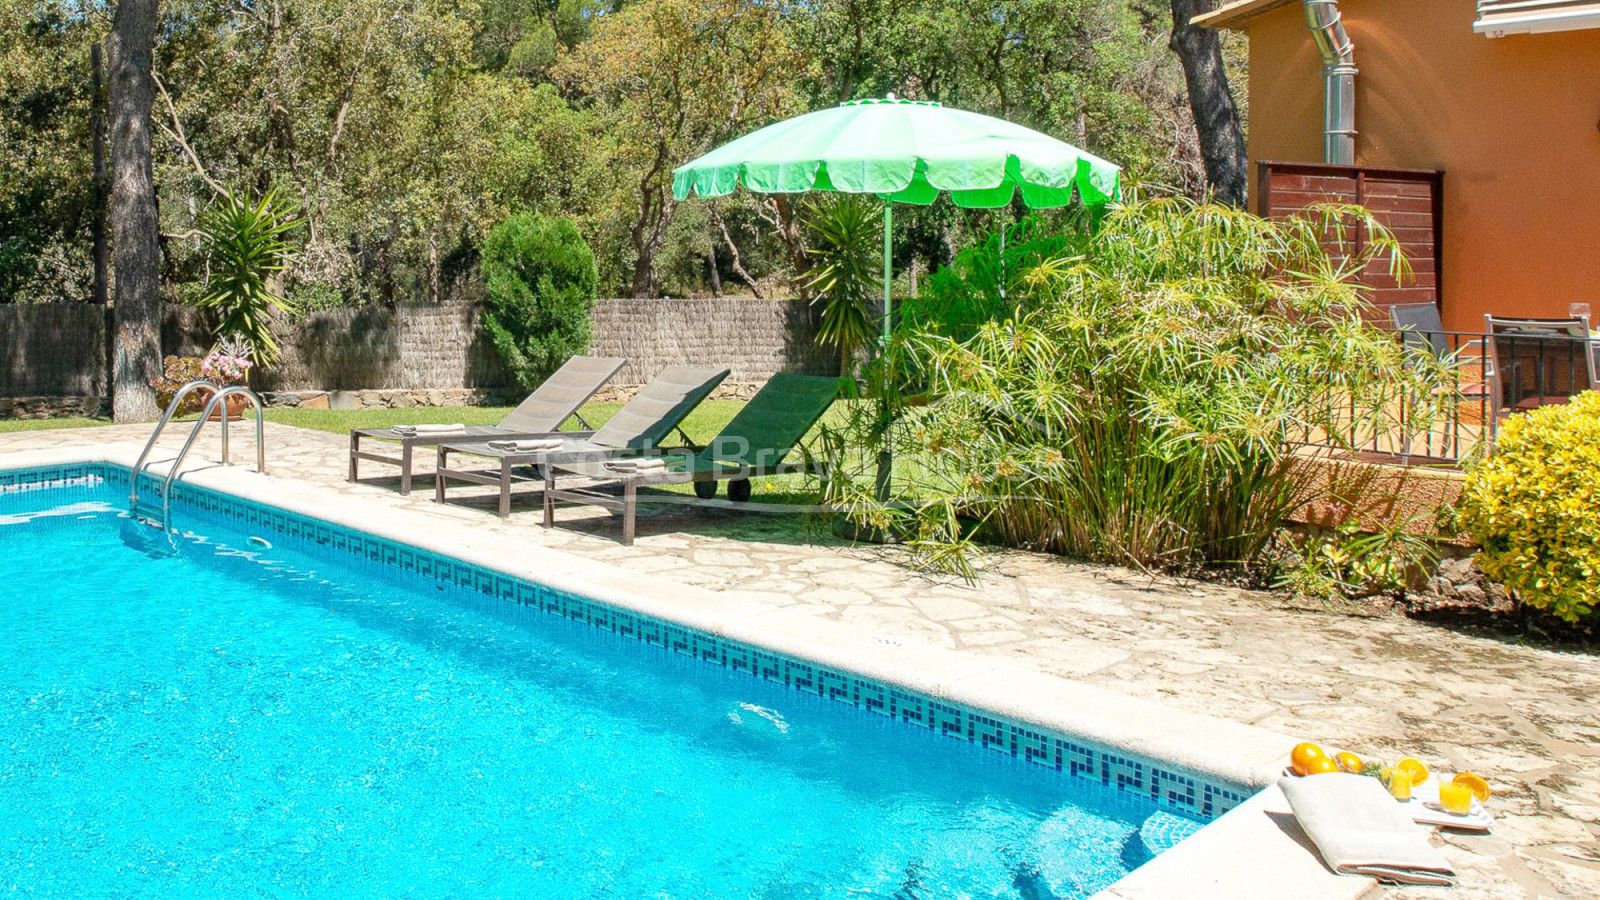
(1339, 76)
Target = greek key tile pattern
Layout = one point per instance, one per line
(1136, 777)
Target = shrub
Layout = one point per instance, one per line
(846, 231)
(540, 276)
(178, 371)
(1534, 506)
(1351, 561)
(1142, 403)
(984, 282)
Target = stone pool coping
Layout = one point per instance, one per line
(1254, 850)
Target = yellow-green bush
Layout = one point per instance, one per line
(1534, 505)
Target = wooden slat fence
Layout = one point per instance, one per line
(1409, 202)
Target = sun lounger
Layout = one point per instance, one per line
(541, 414)
(754, 444)
(640, 425)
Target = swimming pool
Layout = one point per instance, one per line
(269, 706)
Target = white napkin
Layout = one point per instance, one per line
(525, 446)
(1360, 830)
(429, 429)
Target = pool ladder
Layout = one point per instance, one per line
(218, 398)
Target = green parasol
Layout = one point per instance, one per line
(905, 151)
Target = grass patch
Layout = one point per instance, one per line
(11, 425)
(701, 425)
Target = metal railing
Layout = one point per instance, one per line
(217, 401)
(1493, 378)
(172, 407)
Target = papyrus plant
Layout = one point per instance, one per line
(1145, 402)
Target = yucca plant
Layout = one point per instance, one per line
(247, 243)
(846, 233)
(1143, 403)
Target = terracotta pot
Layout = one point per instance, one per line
(236, 404)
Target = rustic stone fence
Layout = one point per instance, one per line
(53, 356)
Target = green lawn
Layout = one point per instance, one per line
(7, 425)
(701, 425)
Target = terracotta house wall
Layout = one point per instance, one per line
(1514, 122)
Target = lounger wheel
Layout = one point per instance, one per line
(739, 490)
(705, 490)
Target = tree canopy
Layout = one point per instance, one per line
(405, 130)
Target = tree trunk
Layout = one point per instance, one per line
(711, 266)
(644, 285)
(733, 252)
(135, 232)
(646, 233)
(1216, 118)
(97, 149)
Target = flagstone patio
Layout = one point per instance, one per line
(1523, 716)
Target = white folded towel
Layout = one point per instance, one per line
(533, 446)
(455, 428)
(638, 466)
(1360, 830)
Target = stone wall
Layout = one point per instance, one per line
(52, 357)
(52, 350)
(754, 338)
(404, 348)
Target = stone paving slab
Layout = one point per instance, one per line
(1525, 717)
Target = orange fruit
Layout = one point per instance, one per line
(1300, 758)
(1349, 762)
(1413, 767)
(1475, 782)
(1321, 766)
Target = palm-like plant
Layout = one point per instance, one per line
(247, 244)
(846, 231)
(1144, 404)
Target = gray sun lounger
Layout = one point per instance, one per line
(540, 415)
(640, 425)
(754, 444)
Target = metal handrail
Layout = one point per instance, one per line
(219, 396)
(177, 400)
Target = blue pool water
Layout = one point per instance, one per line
(205, 716)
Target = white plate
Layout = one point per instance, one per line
(1425, 813)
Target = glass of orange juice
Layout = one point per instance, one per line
(1455, 798)
(1400, 786)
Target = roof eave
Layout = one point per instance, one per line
(1574, 19)
(1237, 15)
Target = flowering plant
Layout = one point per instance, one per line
(229, 363)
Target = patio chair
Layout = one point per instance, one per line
(640, 425)
(754, 444)
(541, 414)
(1538, 362)
(1422, 332)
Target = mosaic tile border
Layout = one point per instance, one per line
(1136, 777)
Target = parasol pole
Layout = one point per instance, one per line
(888, 273)
(886, 454)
